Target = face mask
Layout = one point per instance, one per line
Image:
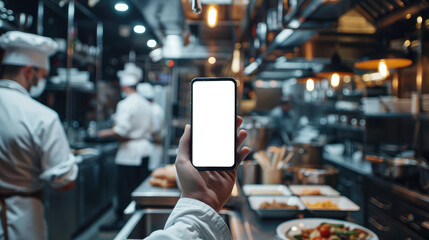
(36, 91)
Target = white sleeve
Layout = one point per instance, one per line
(122, 120)
(192, 219)
(58, 165)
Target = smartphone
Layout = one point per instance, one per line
(213, 123)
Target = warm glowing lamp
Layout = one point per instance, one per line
(212, 16)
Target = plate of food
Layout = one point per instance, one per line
(323, 229)
(323, 206)
(313, 190)
(266, 190)
(283, 206)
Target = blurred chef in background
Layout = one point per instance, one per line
(284, 120)
(133, 126)
(33, 145)
(158, 120)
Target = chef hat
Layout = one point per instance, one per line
(22, 49)
(146, 90)
(131, 75)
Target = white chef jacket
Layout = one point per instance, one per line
(133, 121)
(192, 219)
(158, 118)
(33, 149)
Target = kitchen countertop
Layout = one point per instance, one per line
(255, 227)
(364, 168)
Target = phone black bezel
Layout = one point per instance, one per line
(205, 79)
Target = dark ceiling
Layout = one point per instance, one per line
(55, 23)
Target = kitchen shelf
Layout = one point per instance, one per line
(388, 115)
(344, 111)
(344, 127)
(62, 87)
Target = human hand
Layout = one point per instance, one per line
(105, 133)
(211, 187)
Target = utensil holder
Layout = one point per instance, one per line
(272, 176)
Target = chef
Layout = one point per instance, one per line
(133, 124)
(33, 145)
(284, 120)
(203, 195)
(158, 118)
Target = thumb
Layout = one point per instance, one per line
(185, 141)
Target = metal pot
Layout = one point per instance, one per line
(249, 172)
(308, 175)
(309, 154)
(424, 176)
(393, 168)
(257, 133)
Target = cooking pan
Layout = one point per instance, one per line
(393, 168)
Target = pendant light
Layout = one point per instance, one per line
(309, 79)
(335, 67)
(335, 70)
(383, 58)
(388, 57)
(308, 74)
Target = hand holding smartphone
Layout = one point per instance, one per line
(213, 123)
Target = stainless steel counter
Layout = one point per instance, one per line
(146, 195)
(364, 168)
(255, 228)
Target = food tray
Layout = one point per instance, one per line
(255, 202)
(266, 190)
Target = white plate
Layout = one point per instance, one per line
(325, 190)
(344, 204)
(266, 190)
(299, 224)
(255, 202)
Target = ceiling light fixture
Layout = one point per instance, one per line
(151, 43)
(121, 7)
(391, 58)
(308, 74)
(140, 29)
(212, 16)
(335, 80)
(212, 60)
(235, 65)
(309, 85)
(335, 67)
(259, 83)
(382, 69)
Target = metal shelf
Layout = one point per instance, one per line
(62, 87)
(388, 115)
(344, 127)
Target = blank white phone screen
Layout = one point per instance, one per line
(213, 120)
